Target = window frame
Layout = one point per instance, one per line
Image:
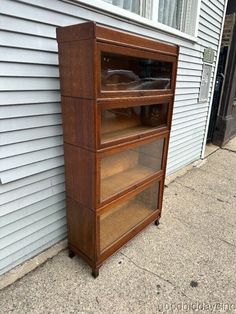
(112, 10)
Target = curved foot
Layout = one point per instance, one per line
(157, 222)
(95, 272)
(71, 254)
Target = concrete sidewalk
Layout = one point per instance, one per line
(189, 261)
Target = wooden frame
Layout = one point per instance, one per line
(102, 254)
(129, 103)
(82, 104)
(132, 52)
(115, 150)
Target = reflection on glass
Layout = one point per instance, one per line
(128, 167)
(121, 122)
(119, 72)
(120, 219)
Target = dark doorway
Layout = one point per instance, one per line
(222, 126)
(217, 92)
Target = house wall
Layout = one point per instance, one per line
(32, 214)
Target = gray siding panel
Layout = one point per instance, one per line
(30, 146)
(28, 158)
(27, 57)
(9, 39)
(31, 169)
(28, 83)
(25, 190)
(29, 97)
(17, 111)
(29, 122)
(41, 241)
(33, 208)
(14, 69)
(32, 200)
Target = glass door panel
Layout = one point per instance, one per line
(123, 169)
(124, 73)
(120, 219)
(118, 123)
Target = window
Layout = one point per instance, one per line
(178, 14)
(140, 7)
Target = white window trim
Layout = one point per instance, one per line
(197, 18)
(110, 9)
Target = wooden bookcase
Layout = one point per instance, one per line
(117, 93)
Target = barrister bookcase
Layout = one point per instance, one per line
(117, 93)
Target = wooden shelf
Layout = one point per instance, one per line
(115, 135)
(113, 184)
(118, 123)
(120, 220)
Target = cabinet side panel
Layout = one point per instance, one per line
(64, 68)
(68, 120)
(76, 32)
(80, 222)
(80, 174)
(82, 69)
(79, 122)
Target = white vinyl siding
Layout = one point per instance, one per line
(32, 199)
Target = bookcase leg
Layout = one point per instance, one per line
(71, 254)
(95, 272)
(157, 222)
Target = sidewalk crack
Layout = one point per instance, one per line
(202, 193)
(229, 150)
(229, 243)
(155, 274)
(211, 153)
(191, 227)
(185, 186)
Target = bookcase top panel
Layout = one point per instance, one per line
(92, 30)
